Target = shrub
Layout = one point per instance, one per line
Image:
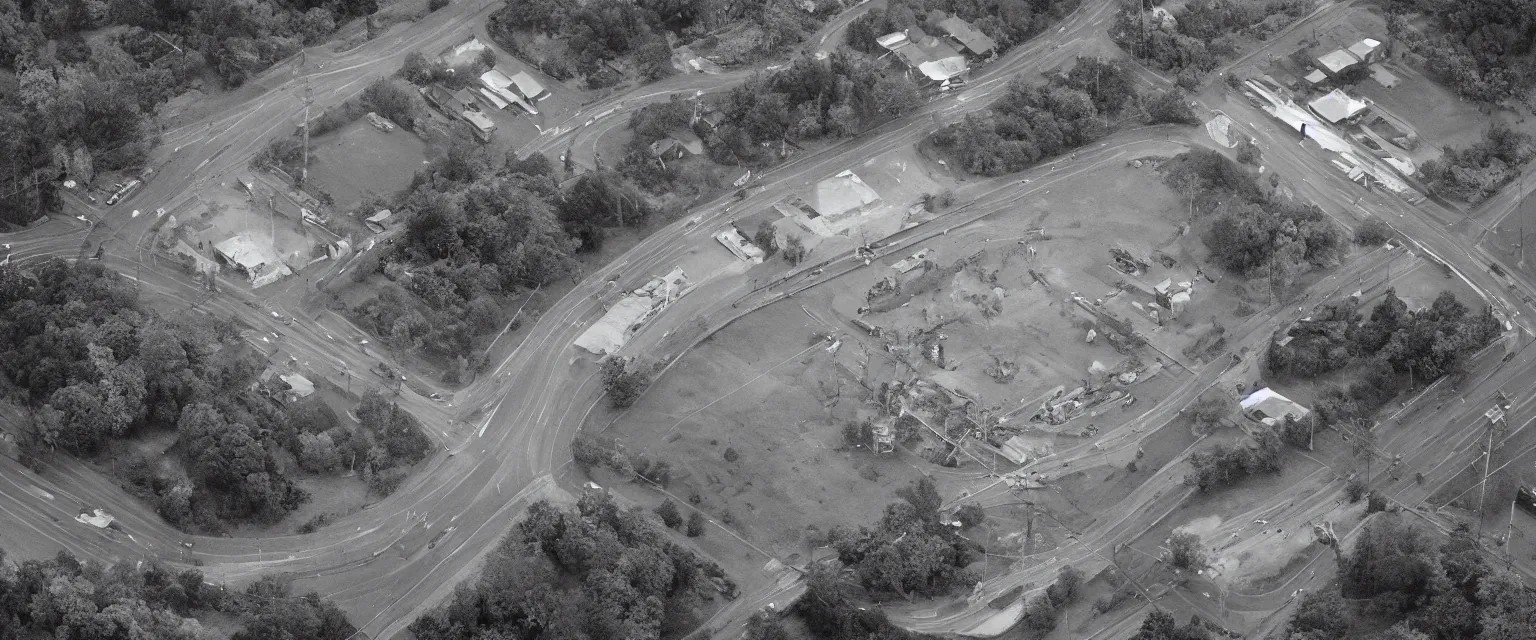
(1187, 552)
(1372, 232)
(970, 515)
(1355, 489)
(731, 455)
(434, 5)
(669, 514)
(695, 525)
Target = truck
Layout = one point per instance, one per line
(123, 191)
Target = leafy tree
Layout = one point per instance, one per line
(766, 239)
(895, 95)
(1171, 107)
(669, 514)
(794, 249)
(1187, 552)
(695, 525)
(1319, 616)
(623, 381)
(1372, 233)
(1160, 625)
(1391, 560)
(970, 515)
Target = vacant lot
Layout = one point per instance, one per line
(359, 161)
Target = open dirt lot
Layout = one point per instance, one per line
(358, 161)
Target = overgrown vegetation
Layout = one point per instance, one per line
(1398, 344)
(909, 552)
(1007, 22)
(1434, 588)
(1251, 231)
(1220, 465)
(1036, 121)
(1160, 625)
(593, 571)
(833, 98)
(63, 597)
(1475, 173)
(94, 374)
(1485, 49)
(84, 106)
(1041, 614)
(830, 612)
(1200, 34)
(624, 379)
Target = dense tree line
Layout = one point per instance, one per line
(1033, 121)
(93, 374)
(63, 597)
(1160, 625)
(909, 552)
(595, 36)
(830, 611)
(1432, 341)
(1436, 587)
(1474, 173)
(1252, 232)
(811, 99)
(593, 571)
(1007, 22)
(1201, 33)
(84, 106)
(1485, 49)
(1220, 465)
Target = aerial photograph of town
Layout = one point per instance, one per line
(772, 320)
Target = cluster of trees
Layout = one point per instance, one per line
(95, 368)
(624, 379)
(830, 611)
(836, 97)
(1431, 341)
(1221, 465)
(595, 35)
(592, 451)
(421, 70)
(1008, 22)
(1474, 173)
(1041, 614)
(640, 165)
(1160, 625)
(1202, 33)
(84, 107)
(477, 232)
(1486, 49)
(1436, 588)
(1253, 232)
(1069, 110)
(95, 373)
(593, 571)
(909, 552)
(63, 597)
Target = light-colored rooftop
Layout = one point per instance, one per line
(941, 70)
(479, 120)
(891, 41)
(969, 36)
(842, 194)
(1363, 48)
(243, 251)
(1337, 106)
(300, 385)
(1337, 60)
(525, 85)
(1273, 405)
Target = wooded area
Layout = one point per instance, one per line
(84, 105)
(1202, 33)
(93, 368)
(1007, 22)
(593, 571)
(1485, 49)
(63, 597)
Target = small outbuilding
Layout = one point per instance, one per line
(1268, 406)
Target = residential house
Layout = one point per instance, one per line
(499, 84)
(299, 387)
(667, 149)
(484, 127)
(1271, 408)
(970, 39)
(932, 58)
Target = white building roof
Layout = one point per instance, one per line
(380, 217)
(1364, 48)
(525, 85)
(498, 83)
(740, 247)
(1337, 60)
(464, 53)
(844, 193)
(1337, 106)
(300, 385)
(494, 99)
(610, 333)
(1316, 76)
(241, 250)
(944, 69)
(891, 41)
(1273, 405)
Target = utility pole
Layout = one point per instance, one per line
(1483, 492)
(308, 100)
(1509, 533)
